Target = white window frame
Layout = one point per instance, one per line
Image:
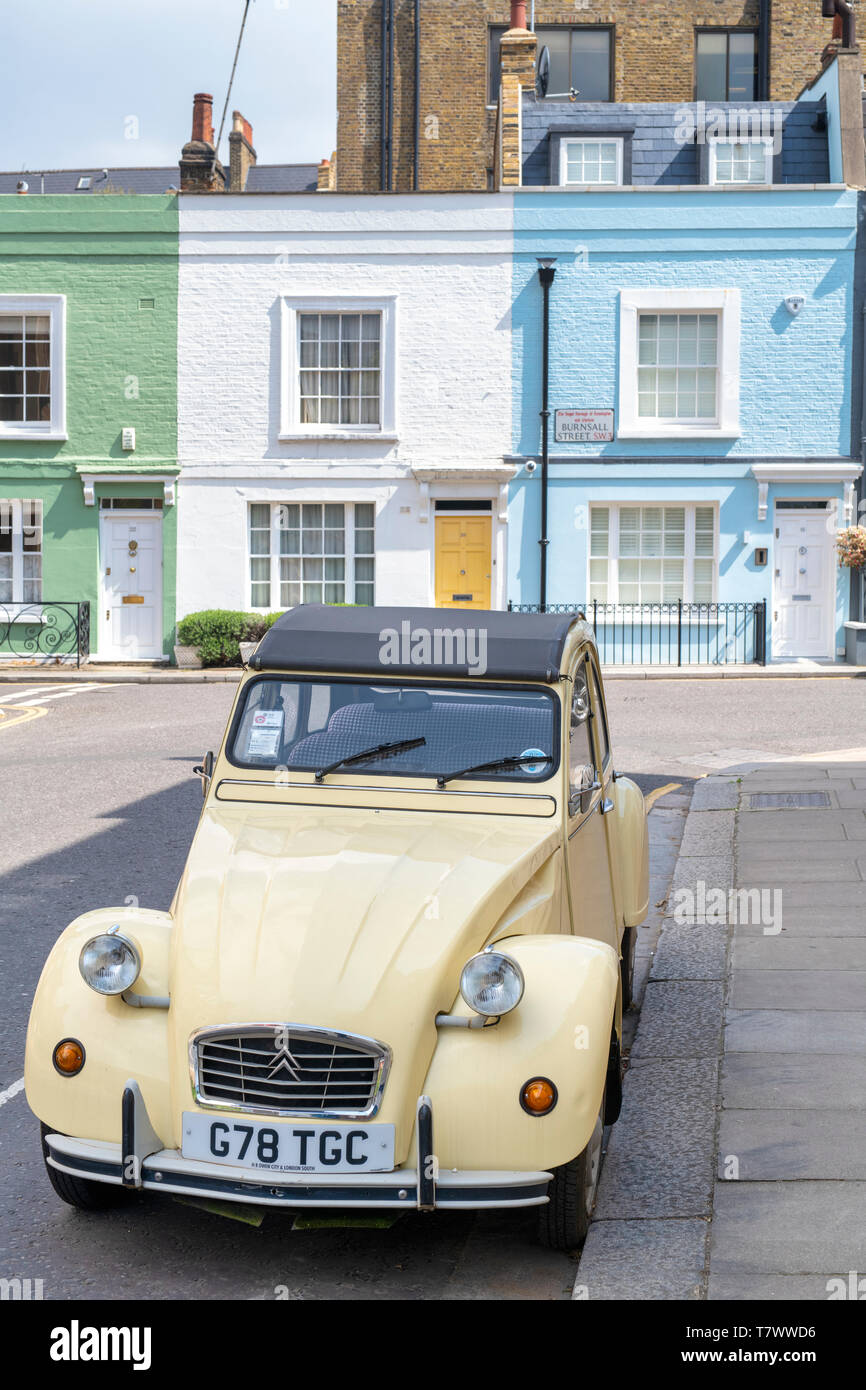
(712, 155)
(724, 302)
(291, 426)
(689, 557)
(54, 305)
(564, 144)
(15, 514)
(320, 499)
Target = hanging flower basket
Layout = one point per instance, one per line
(851, 547)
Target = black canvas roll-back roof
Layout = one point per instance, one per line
(431, 643)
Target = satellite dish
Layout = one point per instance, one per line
(542, 72)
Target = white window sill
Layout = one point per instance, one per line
(355, 436)
(664, 431)
(33, 436)
(19, 612)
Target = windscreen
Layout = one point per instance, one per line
(312, 724)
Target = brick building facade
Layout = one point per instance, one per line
(653, 57)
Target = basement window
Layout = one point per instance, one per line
(311, 552)
(20, 551)
(651, 554)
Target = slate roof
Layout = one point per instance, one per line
(263, 178)
(656, 155)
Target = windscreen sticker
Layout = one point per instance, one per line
(266, 733)
(529, 766)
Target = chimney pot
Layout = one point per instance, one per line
(241, 126)
(202, 117)
(518, 14)
(242, 156)
(200, 170)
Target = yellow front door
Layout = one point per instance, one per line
(463, 561)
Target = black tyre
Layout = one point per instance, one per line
(626, 966)
(563, 1224)
(81, 1192)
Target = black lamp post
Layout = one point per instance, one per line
(546, 275)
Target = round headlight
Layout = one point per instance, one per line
(109, 963)
(491, 984)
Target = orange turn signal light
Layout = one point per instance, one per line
(538, 1096)
(68, 1057)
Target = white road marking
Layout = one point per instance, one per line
(64, 694)
(15, 695)
(11, 1091)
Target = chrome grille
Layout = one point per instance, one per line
(288, 1069)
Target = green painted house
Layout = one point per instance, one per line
(88, 425)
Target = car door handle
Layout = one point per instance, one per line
(606, 805)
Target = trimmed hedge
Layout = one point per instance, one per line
(218, 632)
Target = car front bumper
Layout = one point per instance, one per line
(140, 1161)
(168, 1171)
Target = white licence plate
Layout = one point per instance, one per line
(288, 1146)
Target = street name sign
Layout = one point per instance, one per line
(583, 426)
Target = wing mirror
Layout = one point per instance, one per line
(204, 770)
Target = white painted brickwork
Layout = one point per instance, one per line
(447, 261)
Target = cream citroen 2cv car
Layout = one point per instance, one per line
(394, 970)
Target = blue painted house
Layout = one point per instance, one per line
(701, 452)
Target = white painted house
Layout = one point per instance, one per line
(344, 399)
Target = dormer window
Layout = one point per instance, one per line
(587, 161)
(741, 161)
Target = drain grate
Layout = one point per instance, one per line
(787, 801)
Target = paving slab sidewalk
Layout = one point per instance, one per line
(736, 1170)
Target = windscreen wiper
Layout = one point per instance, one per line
(381, 750)
(517, 761)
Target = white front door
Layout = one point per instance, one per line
(130, 610)
(803, 596)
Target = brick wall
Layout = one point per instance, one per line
(653, 61)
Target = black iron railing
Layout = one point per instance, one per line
(33, 630)
(672, 634)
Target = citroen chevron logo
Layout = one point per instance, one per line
(284, 1061)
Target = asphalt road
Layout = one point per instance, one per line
(98, 804)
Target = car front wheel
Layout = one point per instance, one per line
(81, 1192)
(563, 1224)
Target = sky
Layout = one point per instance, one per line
(109, 83)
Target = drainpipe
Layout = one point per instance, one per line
(764, 22)
(858, 577)
(546, 276)
(387, 69)
(417, 94)
(390, 95)
(833, 9)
